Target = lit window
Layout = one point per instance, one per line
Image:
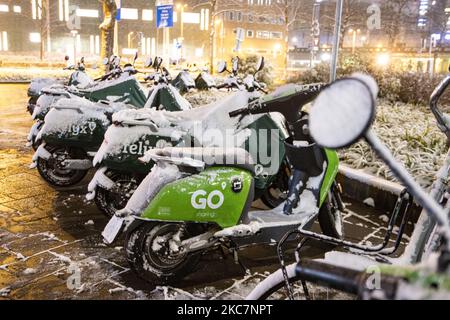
(147, 15)
(4, 8)
(276, 35)
(88, 13)
(3, 41)
(17, 9)
(129, 14)
(191, 17)
(35, 37)
(263, 34)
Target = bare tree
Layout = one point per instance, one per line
(353, 17)
(437, 21)
(44, 8)
(396, 15)
(107, 28)
(292, 12)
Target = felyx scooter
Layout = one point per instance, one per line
(118, 85)
(78, 78)
(74, 130)
(199, 199)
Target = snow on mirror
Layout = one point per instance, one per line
(343, 112)
(222, 67)
(149, 62)
(260, 64)
(235, 65)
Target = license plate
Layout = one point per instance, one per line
(112, 229)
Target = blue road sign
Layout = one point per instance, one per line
(119, 10)
(164, 16)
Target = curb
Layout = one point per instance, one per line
(15, 81)
(360, 186)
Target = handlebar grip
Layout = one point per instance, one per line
(239, 112)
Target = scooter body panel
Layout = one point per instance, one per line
(217, 195)
(266, 141)
(87, 135)
(330, 175)
(129, 90)
(128, 158)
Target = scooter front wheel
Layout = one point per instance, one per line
(53, 171)
(151, 251)
(330, 215)
(111, 201)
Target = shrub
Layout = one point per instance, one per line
(248, 66)
(394, 84)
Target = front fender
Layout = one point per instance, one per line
(100, 179)
(34, 131)
(41, 153)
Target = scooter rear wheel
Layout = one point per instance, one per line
(52, 171)
(147, 250)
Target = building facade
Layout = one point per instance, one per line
(251, 27)
(72, 28)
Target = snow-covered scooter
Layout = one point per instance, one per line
(78, 78)
(205, 81)
(118, 85)
(137, 131)
(74, 129)
(199, 199)
(184, 82)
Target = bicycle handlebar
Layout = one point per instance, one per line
(439, 115)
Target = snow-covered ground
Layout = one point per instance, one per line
(27, 74)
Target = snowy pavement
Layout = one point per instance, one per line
(50, 244)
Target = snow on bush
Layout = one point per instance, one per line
(411, 133)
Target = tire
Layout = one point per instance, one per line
(272, 284)
(111, 201)
(330, 216)
(139, 248)
(31, 105)
(58, 177)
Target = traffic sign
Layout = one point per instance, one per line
(164, 16)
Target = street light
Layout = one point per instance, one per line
(181, 8)
(354, 33)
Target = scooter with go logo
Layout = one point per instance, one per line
(196, 200)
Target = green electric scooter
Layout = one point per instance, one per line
(199, 199)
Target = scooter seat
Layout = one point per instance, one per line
(212, 157)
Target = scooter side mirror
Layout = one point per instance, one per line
(66, 58)
(149, 62)
(82, 60)
(235, 65)
(105, 61)
(136, 56)
(222, 67)
(260, 64)
(344, 112)
(117, 61)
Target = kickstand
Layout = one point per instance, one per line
(239, 262)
